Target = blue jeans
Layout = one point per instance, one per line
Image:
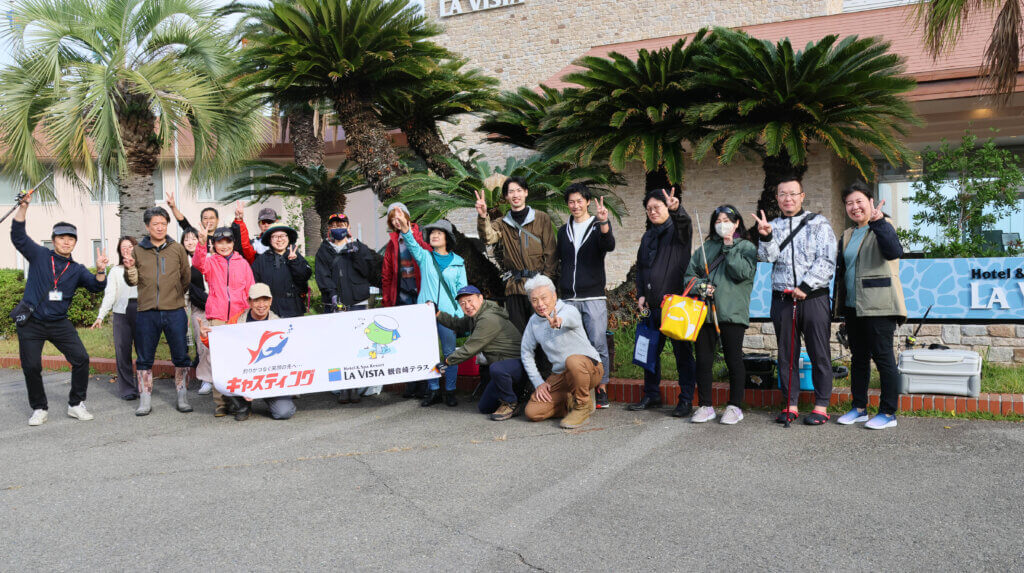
(447, 338)
(504, 375)
(148, 327)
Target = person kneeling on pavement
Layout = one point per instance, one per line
(260, 299)
(490, 332)
(575, 365)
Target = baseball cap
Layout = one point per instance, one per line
(259, 290)
(267, 214)
(468, 289)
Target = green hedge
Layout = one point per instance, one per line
(82, 311)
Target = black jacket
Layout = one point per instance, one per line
(343, 274)
(288, 281)
(582, 273)
(662, 259)
(45, 265)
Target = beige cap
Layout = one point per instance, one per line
(259, 290)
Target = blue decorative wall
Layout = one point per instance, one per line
(959, 289)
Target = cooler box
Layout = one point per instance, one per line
(803, 366)
(926, 371)
(760, 371)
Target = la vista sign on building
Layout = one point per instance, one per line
(457, 7)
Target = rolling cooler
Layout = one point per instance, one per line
(927, 371)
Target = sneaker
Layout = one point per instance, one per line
(703, 414)
(577, 417)
(731, 415)
(602, 399)
(38, 418)
(205, 389)
(504, 412)
(881, 421)
(79, 412)
(853, 416)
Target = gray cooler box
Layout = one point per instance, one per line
(940, 372)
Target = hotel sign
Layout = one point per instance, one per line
(459, 7)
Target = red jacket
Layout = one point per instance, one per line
(389, 271)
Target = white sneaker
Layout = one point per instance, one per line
(79, 412)
(731, 415)
(38, 417)
(703, 414)
(205, 389)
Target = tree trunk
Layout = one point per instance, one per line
(425, 140)
(142, 154)
(480, 271)
(368, 145)
(308, 148)
(775, 168)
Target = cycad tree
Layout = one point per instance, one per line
(110, 82)
(517, 119)
(441, 96)
(631, 110)
(325, 189)
(346, 52)
(846, 95)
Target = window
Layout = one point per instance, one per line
(96, 244)
(158, 184)
(109, 190)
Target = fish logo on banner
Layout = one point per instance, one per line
(271, 344)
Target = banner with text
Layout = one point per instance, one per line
(324, 352)
(955, 289)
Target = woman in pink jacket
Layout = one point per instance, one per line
(228, 276)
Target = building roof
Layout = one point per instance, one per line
(952, 75)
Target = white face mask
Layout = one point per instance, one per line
(724, 229)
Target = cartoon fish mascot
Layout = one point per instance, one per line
(381, 333)
(271, 343)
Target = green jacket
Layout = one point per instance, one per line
(491, 332)
(733, 278)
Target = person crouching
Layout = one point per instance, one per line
(575, 365)
(260, 301)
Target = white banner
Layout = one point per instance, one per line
(325, 352)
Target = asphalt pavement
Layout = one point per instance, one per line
(386, 485)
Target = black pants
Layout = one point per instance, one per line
(124, 342)
(814, 322)
(62, 334)
(519, 310)
(871, 339)
(683, 351)
(732, 348)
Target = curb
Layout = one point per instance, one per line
(628, 391)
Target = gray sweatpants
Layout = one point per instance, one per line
(814, 322)
(595, 323)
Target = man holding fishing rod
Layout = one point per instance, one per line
(42, 314)
(802, 248)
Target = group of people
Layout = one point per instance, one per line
(544, 352)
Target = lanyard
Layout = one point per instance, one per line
(56, 277)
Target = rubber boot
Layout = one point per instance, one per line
(145, 380)
(181, 385)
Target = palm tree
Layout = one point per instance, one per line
(631, 110)
(843, 94)
(111, 82)
(945, 20)
(441, 96)
(517, 121)
(326, 190)
(346, 52)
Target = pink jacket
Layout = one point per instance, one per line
(229, 281)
